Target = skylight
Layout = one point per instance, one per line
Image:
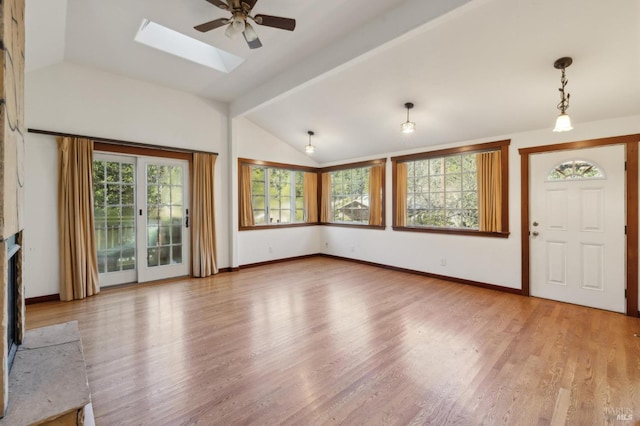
(170, 41)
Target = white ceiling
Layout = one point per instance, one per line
(474, 69)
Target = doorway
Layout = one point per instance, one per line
(577, 213)
(630, 256)
(141, 217)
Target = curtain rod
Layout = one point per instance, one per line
(119, 142)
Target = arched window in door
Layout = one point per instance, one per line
(575, 170)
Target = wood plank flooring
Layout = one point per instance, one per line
(324, 341)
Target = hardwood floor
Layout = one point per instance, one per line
(323, 341)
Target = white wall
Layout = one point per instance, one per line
(488, 260)
(73, 99)
(257, 246)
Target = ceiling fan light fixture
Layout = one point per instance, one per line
(230, 31)
(408, 126)
(563, 122)
(241, 11)
(250, 33)
(238, 23)
(310, 149)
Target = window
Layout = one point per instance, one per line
(350, 195)
(575, 170)
(443, 192)
(274, 194)
(277, 195)
(353, 194)
(458, 190)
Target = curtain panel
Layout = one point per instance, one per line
(311, 197)
(246, 210)
(490, 191)
(203, 220)
(376, 175)
(76, 234)
(326, 214)
(401, 194)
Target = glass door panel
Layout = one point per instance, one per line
(165, 219)
(114, 181)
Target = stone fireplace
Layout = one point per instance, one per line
(12, 302)
(14, 308)
(12, 131)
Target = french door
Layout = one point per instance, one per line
(141, 216)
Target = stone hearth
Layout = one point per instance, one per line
(48, 381)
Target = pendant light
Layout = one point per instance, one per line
(310, 149)
(563, 122)
(408, 126)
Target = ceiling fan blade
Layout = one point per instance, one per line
(219, 3)
(211, 25)
(275, 22)
(253, 44)
(247, 5)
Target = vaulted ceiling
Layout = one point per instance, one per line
(474, 68)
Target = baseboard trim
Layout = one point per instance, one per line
(42, 299)
(271, 262)
(56, 297)
(429, 274)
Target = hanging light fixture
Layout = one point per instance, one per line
(408, 126)
(563, 122)
(310, 149)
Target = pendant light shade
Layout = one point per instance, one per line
(408, 126)
(310, 149)
(563, 122)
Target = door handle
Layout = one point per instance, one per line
(187, 221)
(535, 233)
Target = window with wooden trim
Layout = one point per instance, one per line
(273, 194)
(276, 195)
(457, 190)
(353, 194)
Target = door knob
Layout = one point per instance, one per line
(535, 223)
(535, 233)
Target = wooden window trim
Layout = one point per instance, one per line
(267, 164)
(284, 166)
(502, 145)
(357, 165)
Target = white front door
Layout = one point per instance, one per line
(577, 229)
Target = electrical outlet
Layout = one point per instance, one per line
(270, 249)
(353, 249)
(443, 262)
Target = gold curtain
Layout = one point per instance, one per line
(325, 206)
(401, 194)
(375, 194)
(76, 236)
(490, 191)
(203, 220)
(311, 196)
(246, 210)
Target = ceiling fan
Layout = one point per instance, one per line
(240, 11)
